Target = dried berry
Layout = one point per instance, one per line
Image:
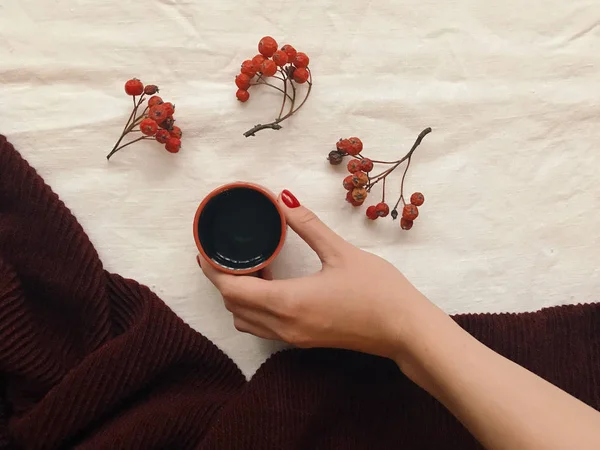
(267, 46)
(356, 146)
(148, 127)
(173, 145)
(242, 81)
(242, 95)
(359, 194)
(290, 52)
(343, 145)
(176, 132)
(394, 214)
(301, 60)
(353, 165)
(134, 87)
(372, 212)
(348, 183)
(280, 58)
(257, 61)
(417, 199)
(366, 165)
(155, 100)
(150, 89)
(167, 124)
(268, 68)
(162, 136)
(406, 224)
(360, 179)
(301, 75)
(410, 212)
(382, 209)
(248, 68)
(335, 158)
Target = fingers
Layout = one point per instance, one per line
(326, 243)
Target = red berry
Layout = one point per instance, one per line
(410, 212)
(360, 179)
(348, 183)
(173, 145)
(350, 199)
(290, 51)
(176, 132)
(417, 199)
(343, 145)
(134, 87)
(170, 108)
(162, 136)
(406, 224)
(359, 194)
(257, 61)
(158, 113)
(280, 58)
(300, 75)
(242, 81)
(248, 68)
(301, 60)
(268, 68)
(148, 127)
(382, 209)
(366, 165)
(150, 89)
(242, 95)
(155, 100)
(353, 165)
(372, 212)
(356, 146)
(267, 46)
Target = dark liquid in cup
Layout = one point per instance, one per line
(239, 228)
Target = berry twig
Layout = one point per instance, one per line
(360, 183)
(155, 121)
(293, 67)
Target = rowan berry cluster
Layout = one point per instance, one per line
(273, 63)
(361, 181)
(155, 122)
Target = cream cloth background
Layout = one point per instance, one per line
(510, 173)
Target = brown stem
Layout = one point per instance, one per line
(285, 94)
(271, 85)
(383, 197)
(256, 128)
(130, 121)
(125, 145)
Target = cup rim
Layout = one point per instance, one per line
(240, 184)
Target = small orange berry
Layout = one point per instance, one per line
(257, 61)
(248, 68)
(360, 179)
(356, 146)
(268, 68)
(170, 107)
(148, 127)
(242, 95)
(134, 87)
(280, 58)
(372, 212)
(290, 51)
(158, 113)
(348, 183)
(410, 212)
(366, 165)
(173, 145)
(176, 132)
(242, 81)
(343, 145)
(300, 75)
(162, 136)
(267, 46)
(155, 100)
(417, 199)
(382, 209)
(301, 60)
(406, 224)
(359, 194)
(353, 165)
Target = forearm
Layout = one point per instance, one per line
(503, 405)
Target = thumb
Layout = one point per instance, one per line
(325, 242)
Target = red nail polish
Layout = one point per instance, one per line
(198, 260)
(289, 199)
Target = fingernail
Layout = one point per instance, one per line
(198, 260)
(289, 199)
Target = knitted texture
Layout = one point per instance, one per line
(90, 360)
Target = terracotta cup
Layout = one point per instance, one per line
(239, 228)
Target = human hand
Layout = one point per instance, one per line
(357, 301)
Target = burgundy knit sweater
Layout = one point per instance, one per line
(90, 360)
